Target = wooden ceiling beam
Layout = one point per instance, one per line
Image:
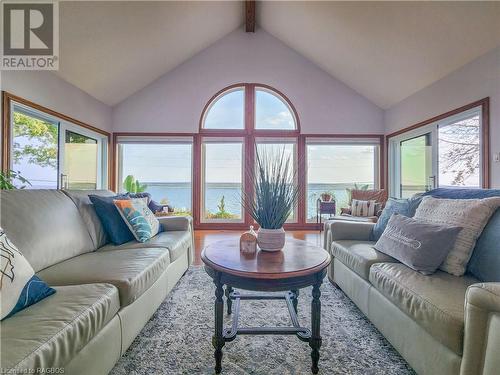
(250, 16)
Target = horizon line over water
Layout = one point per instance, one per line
(178, 194)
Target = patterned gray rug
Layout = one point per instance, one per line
(177, 339)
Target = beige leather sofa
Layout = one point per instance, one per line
(441, 324)
(104, 293)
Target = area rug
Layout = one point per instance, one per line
(177, 339)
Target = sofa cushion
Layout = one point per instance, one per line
(359, 255)
(132, 271)
(49, 334)
(434, 302)
(45, 225)
(81, 199)
(177, 243)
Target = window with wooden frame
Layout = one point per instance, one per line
(449, 150)
(235, 121)
(162, 165)
(51, 150)
(336, 165)
(238, 123)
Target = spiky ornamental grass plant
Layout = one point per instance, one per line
(275, 190)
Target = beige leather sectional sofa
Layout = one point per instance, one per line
(441, 324)
(104, 293)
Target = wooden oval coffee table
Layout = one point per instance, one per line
(297, 266)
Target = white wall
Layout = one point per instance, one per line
(46, 89)
(174, 102)
(476, 80)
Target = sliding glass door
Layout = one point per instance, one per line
(446, 153)
(417, 174)
(81, 161)
(54, 154)
(34, 148)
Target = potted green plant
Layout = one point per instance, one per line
(327, 196)
(275, 196)
(131, 185)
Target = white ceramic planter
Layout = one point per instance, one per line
(271, 239)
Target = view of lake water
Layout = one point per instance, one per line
(179, 195)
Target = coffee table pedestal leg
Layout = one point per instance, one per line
(218, 338)
(315, 340)
(229, 301)
(295, 300)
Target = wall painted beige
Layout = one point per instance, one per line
(476, 80)
(174, 102)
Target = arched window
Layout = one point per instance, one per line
(227, 111)
(249, 107)
(272, 112)
(238, 122)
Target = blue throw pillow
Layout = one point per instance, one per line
(405, 207)
(485, 261)
(111, 220)
(19, 286)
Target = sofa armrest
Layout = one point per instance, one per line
(172, 223)
(345, 230)
(180, 223)
(481, 354)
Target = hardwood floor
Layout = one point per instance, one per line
(204, 237)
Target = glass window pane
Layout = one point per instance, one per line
(80, 161)
(222, 187)
(164, 169)
(227, 112)
(460, 153)
(34, 150)
(336, 168)
(271, 112)
(275, 149)
(416, 165)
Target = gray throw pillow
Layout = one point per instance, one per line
(417, 244)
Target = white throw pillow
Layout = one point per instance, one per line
(363, 208)
(19, 287)
(470, 214)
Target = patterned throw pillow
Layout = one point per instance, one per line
(363, 208)
(139, 218)
(470, 214)
(19, 286)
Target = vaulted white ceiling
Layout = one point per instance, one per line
(386, 51)
(112, 49)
